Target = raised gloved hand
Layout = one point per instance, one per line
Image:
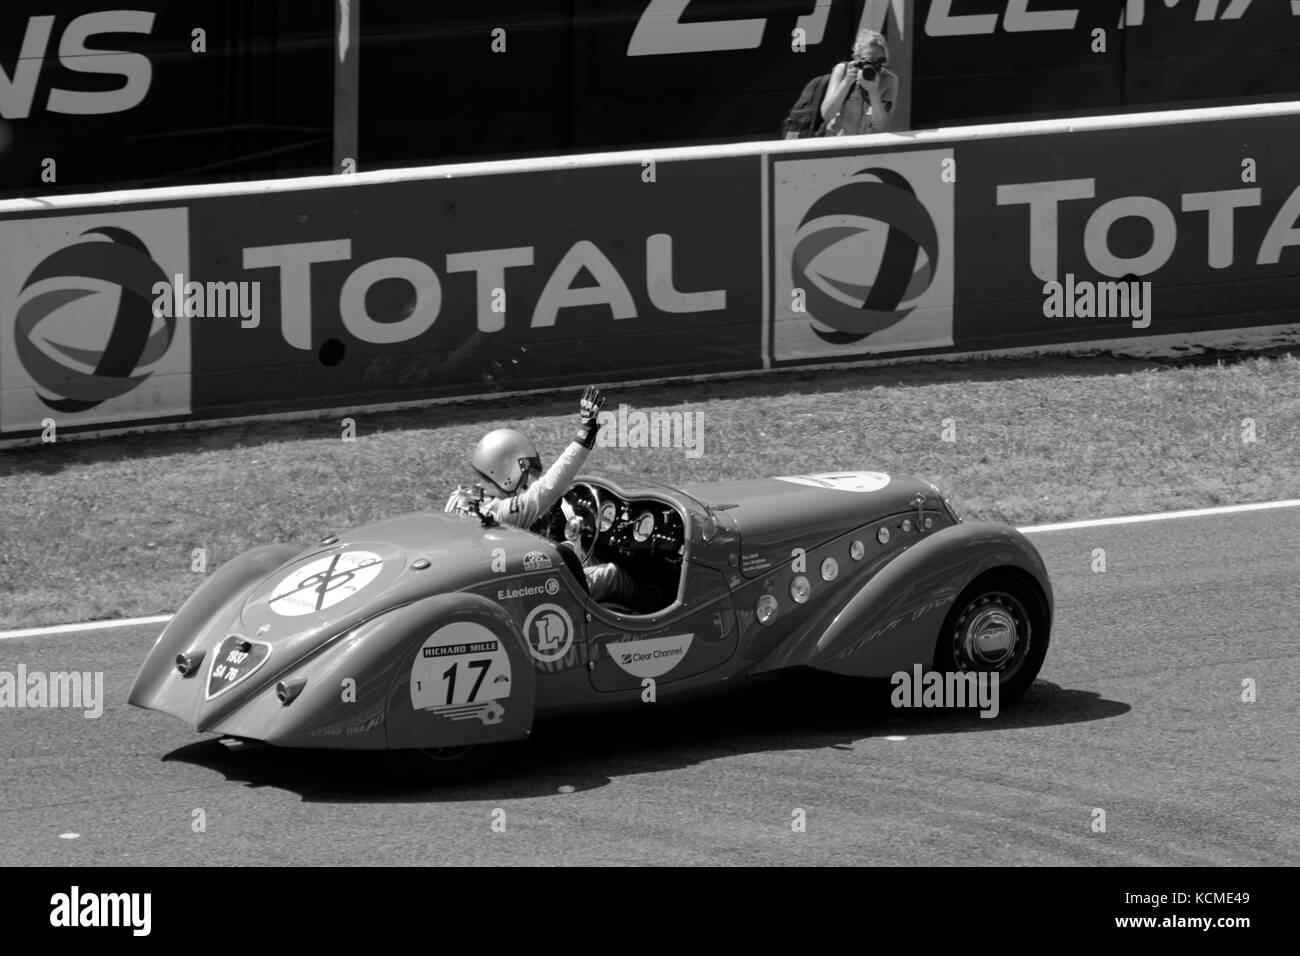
(592, 400)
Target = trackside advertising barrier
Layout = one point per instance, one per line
(186, 304)
(319, 293)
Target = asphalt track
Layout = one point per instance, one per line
(1137, 712)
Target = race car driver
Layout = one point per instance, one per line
(517, 492)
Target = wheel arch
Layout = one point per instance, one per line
(894, 618)
(408, 727)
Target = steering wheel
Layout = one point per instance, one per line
(581, 506)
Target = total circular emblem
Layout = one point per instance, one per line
(324, 582)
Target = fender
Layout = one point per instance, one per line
(357, 693)
(892, 622)
(504, 694)
(155, 685)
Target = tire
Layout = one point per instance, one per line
(998, 624)
(449, 764)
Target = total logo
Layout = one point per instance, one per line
(79, 341)
(1209, 216)
(583, 261)
(863, 254)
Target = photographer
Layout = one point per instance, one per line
(862, 92)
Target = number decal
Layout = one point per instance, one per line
(447, 656)
(483, 665)
(480, 664)
(449, 675)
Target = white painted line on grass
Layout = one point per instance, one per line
(1031, 529)
(1161, 516)
(91, 626)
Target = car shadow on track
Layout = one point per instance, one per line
(798, 712)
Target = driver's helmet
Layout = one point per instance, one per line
(507, 459)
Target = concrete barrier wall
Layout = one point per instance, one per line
(495, 278)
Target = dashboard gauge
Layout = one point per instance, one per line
(608, 511)
(644, 527)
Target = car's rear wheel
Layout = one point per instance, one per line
(435, 764)
(448, 756)
(997, 625)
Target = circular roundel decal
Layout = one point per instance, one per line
(549, 631)
(860, 481)
(460, 665)
(324, 582)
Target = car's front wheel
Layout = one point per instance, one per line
(998, 625)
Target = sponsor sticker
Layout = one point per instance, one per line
(536, 561)
(340, 729)
(487, 713)
(650, 657)
(324, 582)
(551, 586)
(461, 665)
(859, 481)
(549, 631)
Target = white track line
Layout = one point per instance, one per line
(1160, 516)
(1031, 529)
(92, 626)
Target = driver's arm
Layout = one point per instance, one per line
(526, 507)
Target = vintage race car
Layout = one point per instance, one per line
(438, 633)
